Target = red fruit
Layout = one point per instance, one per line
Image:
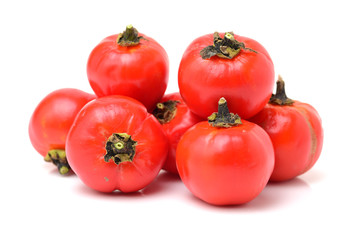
(129, 64)
(175, 118)
(115, 144)
(225, 161)
(296, 133)
(51, 122)
(235, 67)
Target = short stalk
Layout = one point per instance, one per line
(223, 117)
(280, 98)
(58, 158)
(227, 47)
(166, 111)
(130, 37)
(120, 148)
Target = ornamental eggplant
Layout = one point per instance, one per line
(115, 144)
(130, 64)
(225, 161)
(296, 132)
(226, 65)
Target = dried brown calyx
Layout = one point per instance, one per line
(227, 47)
(120, 148)
(165, 111)
(280, 98)
(223, 117)
(130, 37)
(58, 158)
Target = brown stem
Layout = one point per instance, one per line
(58, 158)
(227, 47)
(120, 148)
(280, 98)
(223, 118)
(166, 111)
(129, 37)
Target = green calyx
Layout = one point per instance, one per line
(223, 117)
(166, 111)
(58, 158)
(129, 37)
(280, 98)
(120, 148)
(227, 47)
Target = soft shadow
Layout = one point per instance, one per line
(280, 194)
(274, 195)
(164, 181)
(314, 176)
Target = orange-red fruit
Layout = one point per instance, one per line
(246, 81)
(53, 117)
(181, 121)
(297, 135)
(225, 166)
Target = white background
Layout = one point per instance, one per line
(315, 46)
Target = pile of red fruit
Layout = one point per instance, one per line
(225, 133)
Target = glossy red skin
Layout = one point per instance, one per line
(183, 120)
(140, 71)
(246, 81)
(96, 122)
(297, 135)
(53, 117)
(225, 166)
